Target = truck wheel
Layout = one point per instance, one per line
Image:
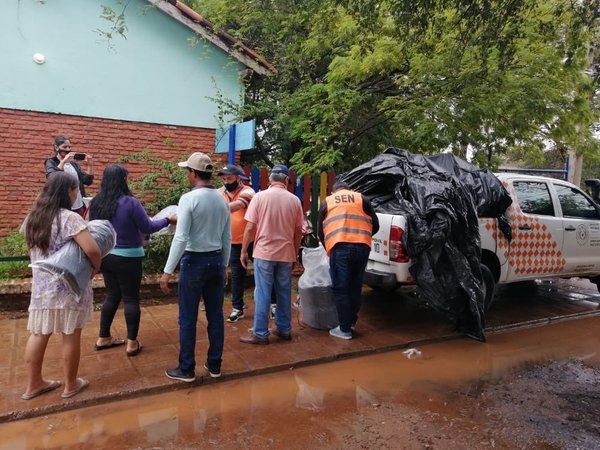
(596, 281)
(489, 287)
(382, 289)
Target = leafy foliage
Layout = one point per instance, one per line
(118, 25)
(162, 182)
(356, 76)
(157, 254)
(14, 244)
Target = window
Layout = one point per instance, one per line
(534, 198)
(575, 204)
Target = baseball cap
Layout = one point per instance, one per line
(280, 168)
(231, 169)
(198, 161)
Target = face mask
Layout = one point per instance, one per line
(231, 186)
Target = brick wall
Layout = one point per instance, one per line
(26, 139)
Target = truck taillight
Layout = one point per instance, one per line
(397, 252)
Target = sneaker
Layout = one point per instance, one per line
(178, 374)
(236, 314)
(212, 374)
(273, 309)
(338, 333)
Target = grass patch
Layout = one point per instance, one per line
(13, 245)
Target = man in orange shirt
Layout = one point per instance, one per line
(238, 197)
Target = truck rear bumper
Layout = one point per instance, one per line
(380, 279)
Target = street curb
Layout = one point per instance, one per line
(206, 379)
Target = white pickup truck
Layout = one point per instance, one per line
(555, 233)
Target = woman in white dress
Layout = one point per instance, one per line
(53, 308)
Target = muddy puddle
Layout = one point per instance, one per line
(438, 396)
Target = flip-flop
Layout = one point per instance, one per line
(49, 387)
(82, 383)
(135, 351)
(113, 343)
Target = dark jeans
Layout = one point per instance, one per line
(122, 278)
(347, 263)
(238, 275)
(201, 275)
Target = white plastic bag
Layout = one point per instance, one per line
(316, 268)
(163, 214)
(412, 353)
(70, 262)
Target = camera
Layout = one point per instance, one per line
(79, 156)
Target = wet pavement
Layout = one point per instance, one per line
(343, 404)
(387, 322)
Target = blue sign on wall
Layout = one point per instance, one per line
(243, 133)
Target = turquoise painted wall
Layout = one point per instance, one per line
(154, 75)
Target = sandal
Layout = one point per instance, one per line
(82, 383)
(136, 351)
(112, 343)
(49, 387)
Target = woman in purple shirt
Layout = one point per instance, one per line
(122, 267)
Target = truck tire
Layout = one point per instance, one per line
(596, 281)
(382, 289)
(489, 287)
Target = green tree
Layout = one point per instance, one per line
(356, 76)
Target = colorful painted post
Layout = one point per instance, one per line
(323, 187)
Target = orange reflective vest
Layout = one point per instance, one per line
(346, 221)
(238, 223)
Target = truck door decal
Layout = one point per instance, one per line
(582, 234)
(533, 248)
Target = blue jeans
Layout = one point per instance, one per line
(238, 276)
(347, 263)
(201, 275)
(272, 276)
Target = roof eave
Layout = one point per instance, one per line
(217, 37)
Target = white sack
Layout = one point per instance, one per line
(71, 263)
(163, 214)
(316, 268)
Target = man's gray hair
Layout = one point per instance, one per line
(277, 177)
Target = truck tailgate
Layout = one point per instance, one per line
(380, 270)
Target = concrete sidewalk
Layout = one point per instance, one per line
(382, 325)
(387, 321)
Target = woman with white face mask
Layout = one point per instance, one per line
(65, 160)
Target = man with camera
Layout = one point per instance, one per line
(64, 160)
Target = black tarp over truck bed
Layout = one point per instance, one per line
(441, 197)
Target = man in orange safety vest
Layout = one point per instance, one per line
(345, 225)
